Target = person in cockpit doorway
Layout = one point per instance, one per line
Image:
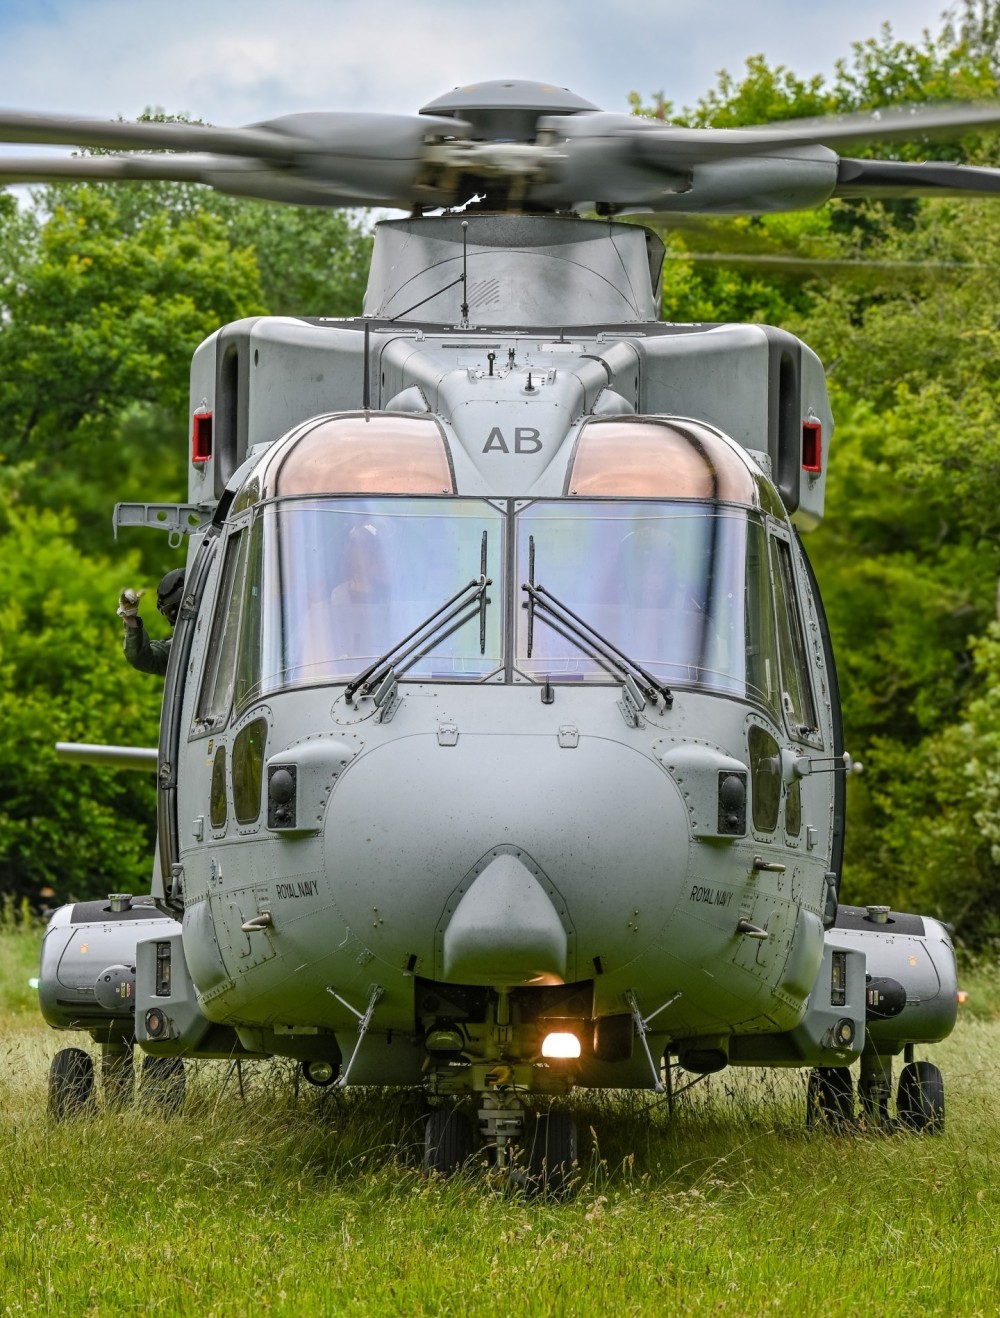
(141, 650)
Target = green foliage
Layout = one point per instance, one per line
(79, 831)
(101, 315)
(104, 294)
(909, 556)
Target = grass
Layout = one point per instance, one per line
(289, 1203)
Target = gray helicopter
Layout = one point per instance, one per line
(501, 746)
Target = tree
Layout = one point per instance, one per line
(909, 555)
(82, 831)
(104, 295)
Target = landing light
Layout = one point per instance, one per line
(560, 1045)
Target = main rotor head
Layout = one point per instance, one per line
(522, 146)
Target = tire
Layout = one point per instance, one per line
(163, 1085)
(117, 1078)
(447, 1141)
(920, 1098)
(71, 1083)
(552, 1161)
(830, 1097)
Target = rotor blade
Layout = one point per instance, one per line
(665, 145)
(619, 163)
(806, 267)
(97, 169)
(348, 133)
(907, 124)
(900, 178)
(313, 159)
(68, 130)
(241, 178)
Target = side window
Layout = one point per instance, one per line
(248, 770)
(248, 661)
(765, 779)
(796, 688)
(793, 809)
(216, 694)
(762, 653)
(218, 806)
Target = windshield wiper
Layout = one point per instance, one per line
(425, 632)
(589, 637)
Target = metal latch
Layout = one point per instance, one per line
(447, 732)
(178, 519)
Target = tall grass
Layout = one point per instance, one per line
(313, 1202)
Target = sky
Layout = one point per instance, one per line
(240, 61)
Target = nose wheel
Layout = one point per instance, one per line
(447, 1141)
(536, 1152)
(552, 1161)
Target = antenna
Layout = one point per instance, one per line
(465, 274)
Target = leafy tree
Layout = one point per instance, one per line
(81, 831)
(104, 295)
(909, 555)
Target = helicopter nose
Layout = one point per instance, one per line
(504, 929)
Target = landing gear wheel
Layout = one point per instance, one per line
(447, 1141)
(117, 1076)
(71, 1083)
(920, 1098)
(830, 1097)
(552, 1157)
(164, 1084)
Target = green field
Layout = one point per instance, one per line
(312, 1203)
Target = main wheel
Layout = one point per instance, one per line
(164, 1084)
(71, 1083)
(552, 1159)
(830, 1097)
(447, 1141)
(920, 1098)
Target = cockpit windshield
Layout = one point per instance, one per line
(682, 588)
(345, 579)
(332, 585)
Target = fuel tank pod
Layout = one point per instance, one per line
(82, 942)
(911, 977)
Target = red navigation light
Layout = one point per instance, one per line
(812, 446)
(201, 438)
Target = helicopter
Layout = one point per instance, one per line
(501, 749)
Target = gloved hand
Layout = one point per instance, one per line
(128, 603)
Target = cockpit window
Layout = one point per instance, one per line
(325, 589)
(796, 691)
(681, 588)
(216, 694)
(354, 453)
(660, 459)
(341, 581)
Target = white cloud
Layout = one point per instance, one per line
(234, 61)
